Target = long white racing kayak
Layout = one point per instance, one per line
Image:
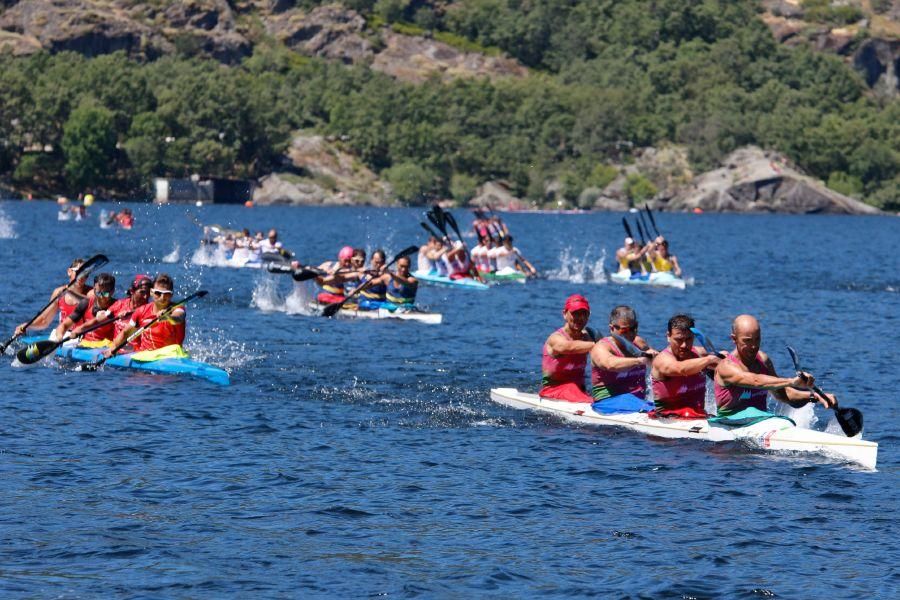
(402, 313)
(465, 283)
(663, 279)
(774, 434)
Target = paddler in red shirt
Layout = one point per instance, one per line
(165, 332)
(566, 352)
(65, 304)
(679, 385)
(138, 295)
(92, 309)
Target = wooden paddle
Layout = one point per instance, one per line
(332, 309)
(38, 350)
(850, 419)
(84, 271)
(163, 315)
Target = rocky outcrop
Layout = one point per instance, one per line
(879, 62)
(332, 32)
(95, 27)
(872, 45)
(752, 180)
(320, 172)
(496, 194)
(416, 58)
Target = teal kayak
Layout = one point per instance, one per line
(465, 283)
(165, 366)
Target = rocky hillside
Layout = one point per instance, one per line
(865, 33)
(228, 31)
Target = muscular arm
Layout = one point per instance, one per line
(603, 357)
(666, 365)
(558, 344)
(728, 374)
(788, 395)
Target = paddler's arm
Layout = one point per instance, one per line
(728, 374)
(675, 266)
(70, 321)
(120, 339)
(666, 365)
(603, 358)
(558, 344)
(799, 397)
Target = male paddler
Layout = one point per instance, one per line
(337, 274)
(65, 304)
(565, 354)
(677, 374)
(166, 332)
(613, 370)
(746, 376)
(89, 308)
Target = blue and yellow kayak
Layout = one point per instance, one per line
(166, 366)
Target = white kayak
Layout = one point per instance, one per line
(660, 279)
(402, 313)
(770, 434)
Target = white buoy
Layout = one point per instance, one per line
(198, 203)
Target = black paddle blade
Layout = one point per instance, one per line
(332, 309)
(408, 251)
(652, 219)
(794, 358)
(273, 267)
(305, 275)
(36, 351)
(627, 228)
(94, 262)
(452, 220)
(630, 348)
(850, 420)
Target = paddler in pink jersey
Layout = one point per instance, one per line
(565, 354)
(746, 375)
(677, 374)
(613, 371)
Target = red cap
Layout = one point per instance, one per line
(576, 302)
(139, 279)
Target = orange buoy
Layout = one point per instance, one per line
(698, 210)
(249, 203)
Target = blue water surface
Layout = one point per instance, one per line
(366, 459)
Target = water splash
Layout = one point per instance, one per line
(7, 227)
(208, 255)
(585, 269)
(174, 255)
(214, 347)
(268, 298)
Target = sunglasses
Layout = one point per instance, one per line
(102, 294)
(625, 328)
(157, 292)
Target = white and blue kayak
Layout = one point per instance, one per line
(401, 313)
(658, 279)
(770, 433)
(164, 366)
(466, 282)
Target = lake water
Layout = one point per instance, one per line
(366, 459)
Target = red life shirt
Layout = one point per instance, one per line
(160, 334)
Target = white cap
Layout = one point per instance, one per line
(628, 241)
